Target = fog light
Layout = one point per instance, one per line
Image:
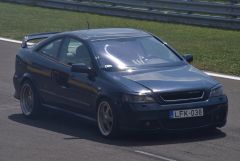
(147, 123)
(217, 117)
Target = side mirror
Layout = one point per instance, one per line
(188, 58)
(81, 68)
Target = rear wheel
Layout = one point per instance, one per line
(107, 119)
(29, 101)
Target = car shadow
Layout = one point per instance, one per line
(75, 128)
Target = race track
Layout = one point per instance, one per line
(60, 137)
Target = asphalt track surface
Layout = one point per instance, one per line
(60, 137)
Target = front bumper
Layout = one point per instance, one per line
(152, 117)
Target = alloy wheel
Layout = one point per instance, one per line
(26, 99)
(105, 118)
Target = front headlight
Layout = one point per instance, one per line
(216, 91)
(138, 98)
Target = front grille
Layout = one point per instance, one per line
(182, 96)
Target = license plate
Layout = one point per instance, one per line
(186, 113)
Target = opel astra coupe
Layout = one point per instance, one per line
(120, 78)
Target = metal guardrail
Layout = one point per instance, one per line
(218, 15)
(178, 5)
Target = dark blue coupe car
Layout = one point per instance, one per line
(120, 78)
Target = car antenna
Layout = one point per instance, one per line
(88, 25)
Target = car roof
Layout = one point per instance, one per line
(106, 33)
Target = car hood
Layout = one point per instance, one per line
(166, 79)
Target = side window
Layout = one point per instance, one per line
(74, 51)
(51, 49)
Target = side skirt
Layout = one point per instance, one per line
(70, 112)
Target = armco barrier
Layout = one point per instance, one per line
(178, 11)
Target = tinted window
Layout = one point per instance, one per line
(51, 49)
(133, 52)
(74, 51)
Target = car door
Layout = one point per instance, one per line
(45, 60)
(76, 89)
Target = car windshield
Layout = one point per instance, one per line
(133, 52)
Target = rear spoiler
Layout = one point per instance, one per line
(28, 38)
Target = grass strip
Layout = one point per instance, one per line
(213, 49)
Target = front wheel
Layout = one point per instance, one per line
(107, 119)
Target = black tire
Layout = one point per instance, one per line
(104, 129)
(29, 100)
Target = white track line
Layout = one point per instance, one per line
(209, 73)
(153, 155)
(10, 40)
(223, 75)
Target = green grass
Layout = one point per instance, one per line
(213, 49)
